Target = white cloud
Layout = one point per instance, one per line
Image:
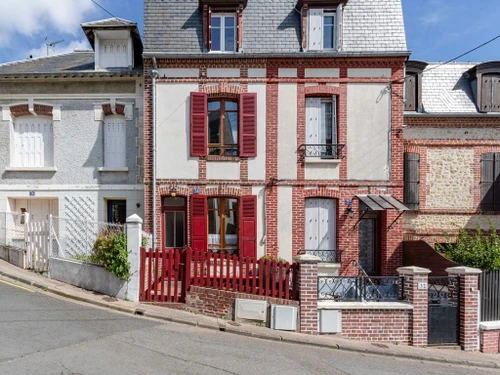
(59, 49)
(31, 17)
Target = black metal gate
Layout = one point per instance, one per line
(444, 310)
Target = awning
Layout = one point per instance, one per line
(377, 202)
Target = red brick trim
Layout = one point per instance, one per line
(23, 110)
(44, 110)
(453, 122)
(119, 109)
(322, 90)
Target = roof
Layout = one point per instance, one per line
(109, 22)
(81, 62)
(273, 27)
(447, 89)
(381, 202)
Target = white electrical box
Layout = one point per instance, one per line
(284, 317)
(251, 309)
(329, 321)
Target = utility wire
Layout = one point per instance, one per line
(104, 9)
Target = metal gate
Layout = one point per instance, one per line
(444, 310)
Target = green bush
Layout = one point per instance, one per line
(110, 251)
(477, 250)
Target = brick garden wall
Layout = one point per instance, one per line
(490, 341)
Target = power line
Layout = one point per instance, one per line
(104, 9)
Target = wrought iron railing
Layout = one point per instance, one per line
(326, 256)
(371, 289)
(223, 150)
(324, 151)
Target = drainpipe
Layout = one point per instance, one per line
(154, 75)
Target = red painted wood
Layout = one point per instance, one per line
(142, 274)
(248, 226)
(199, 214)
(280, 279)
(273, 278)
(261, 277)
(254, 274)
(150, 276)
(188, 253)
(235, 277)
(156, 275)
(228, 272)
(247, 274)
(176, 275)
(268, 278)
(199, 128)
(221, 271)
(208, 283)
(287, 281)
(163, 272)
(169, 274)
(248, 124)
(214, 264)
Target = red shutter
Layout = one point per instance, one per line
(248, 226)
(199, 214)
(248, 124)
(199, 124)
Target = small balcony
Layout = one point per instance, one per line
(326, 256)
(320, 151)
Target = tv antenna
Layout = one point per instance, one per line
(52, 44)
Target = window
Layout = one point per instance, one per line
(490, 93)
(321, 127)
(33, 137)
(324, 29)
(411, 180)
(490, 181)
(320, 224)
(114, 53)
(413, 85)
(223, 225)
(223, 32)
(174, 222)
(114, 142)
(117, 211)
(224, 127)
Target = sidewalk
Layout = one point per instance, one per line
(177, 316)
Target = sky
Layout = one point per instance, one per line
(436, 30)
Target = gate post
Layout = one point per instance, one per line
(468, 305)
(134, 238)
(416, 291)
(307, 283)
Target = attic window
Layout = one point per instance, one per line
(222, 25)
(413, 85)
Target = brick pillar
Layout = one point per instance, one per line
(469, 306)
(307, 280)
(416, 292)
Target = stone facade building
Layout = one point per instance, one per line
(275, 127)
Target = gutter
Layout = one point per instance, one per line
(198, 55)
(454, 114)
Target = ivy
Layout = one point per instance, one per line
(110, 251)
(478, 250)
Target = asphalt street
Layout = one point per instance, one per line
(43, 334)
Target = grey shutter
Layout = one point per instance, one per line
(411, 92)
(496, 94)
(411, 180)
(486, 93)
(487, 178)
(338, 31)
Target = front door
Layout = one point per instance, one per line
(174, 222)
(320, 237)
(368, 244)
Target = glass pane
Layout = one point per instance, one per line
(326, 123)
(216, 21)
(213, 203)
(232, 204)
(214, 105)
(169, 229)
(229, 34)
(231, 106)
(229, 21)
(328, 34)
(179, 229)
(214, 127)
(214, 229)
(174, 202)
(215, 38)
(231, 128)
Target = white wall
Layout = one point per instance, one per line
(368, 126)
(322, 171)
(285, 222)
(173, 131)
(223, 170)
(257, 166)
(287, 131)
(260, 192)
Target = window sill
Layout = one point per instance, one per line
(321, 161)
(222, 158)
(106, 169)
(31, 169)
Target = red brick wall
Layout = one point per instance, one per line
(377, 325)
(221, 303)
(490, 341)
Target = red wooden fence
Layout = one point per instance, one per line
(167, 274)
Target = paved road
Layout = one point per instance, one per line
(42, 334)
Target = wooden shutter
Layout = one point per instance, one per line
(487, 179)
(315, 20)
(486, 93)
(114, 142)
(496, 94)
(411, 92)
(209, 20)
(411, 180)
(199, 124)
(338, 30)
(33, 142)
(199, 228)
(248, 124)
(313, 120)
(248, 226)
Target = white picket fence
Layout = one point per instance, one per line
(37, 245)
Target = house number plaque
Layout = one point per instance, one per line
(422, 285)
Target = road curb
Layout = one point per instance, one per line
(242, 332)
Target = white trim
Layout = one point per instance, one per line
(105, 169)
(22, 188)
(330, 305)
(31, 169)
(222, 27)
(318, 160)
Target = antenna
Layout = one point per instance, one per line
(52, 44)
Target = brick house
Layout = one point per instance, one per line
(452, 149)
(275, 127)
(71, 125)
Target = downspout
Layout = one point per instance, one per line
(154, 74)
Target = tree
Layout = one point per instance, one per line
(477, 250)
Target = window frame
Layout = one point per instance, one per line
(106, 161)
(328, 13)
(117, 202)
(176, 209)
(222, 110)
(223, 16)
(334, 9)
(221, 210)
(318, 150)
(17, 159)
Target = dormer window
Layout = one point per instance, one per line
(485, 85)
(413, 85)
(223, 32)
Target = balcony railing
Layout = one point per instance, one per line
(326, 256)
(360, 288)
(325, 151)
(223, 150)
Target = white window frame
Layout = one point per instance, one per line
(329, 13)
(315, 114)
(119, 162)
(223, 17)
(337, 28)
(23, 155)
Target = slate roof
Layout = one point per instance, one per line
(110, 22)
(446, 89)
(273, 27)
